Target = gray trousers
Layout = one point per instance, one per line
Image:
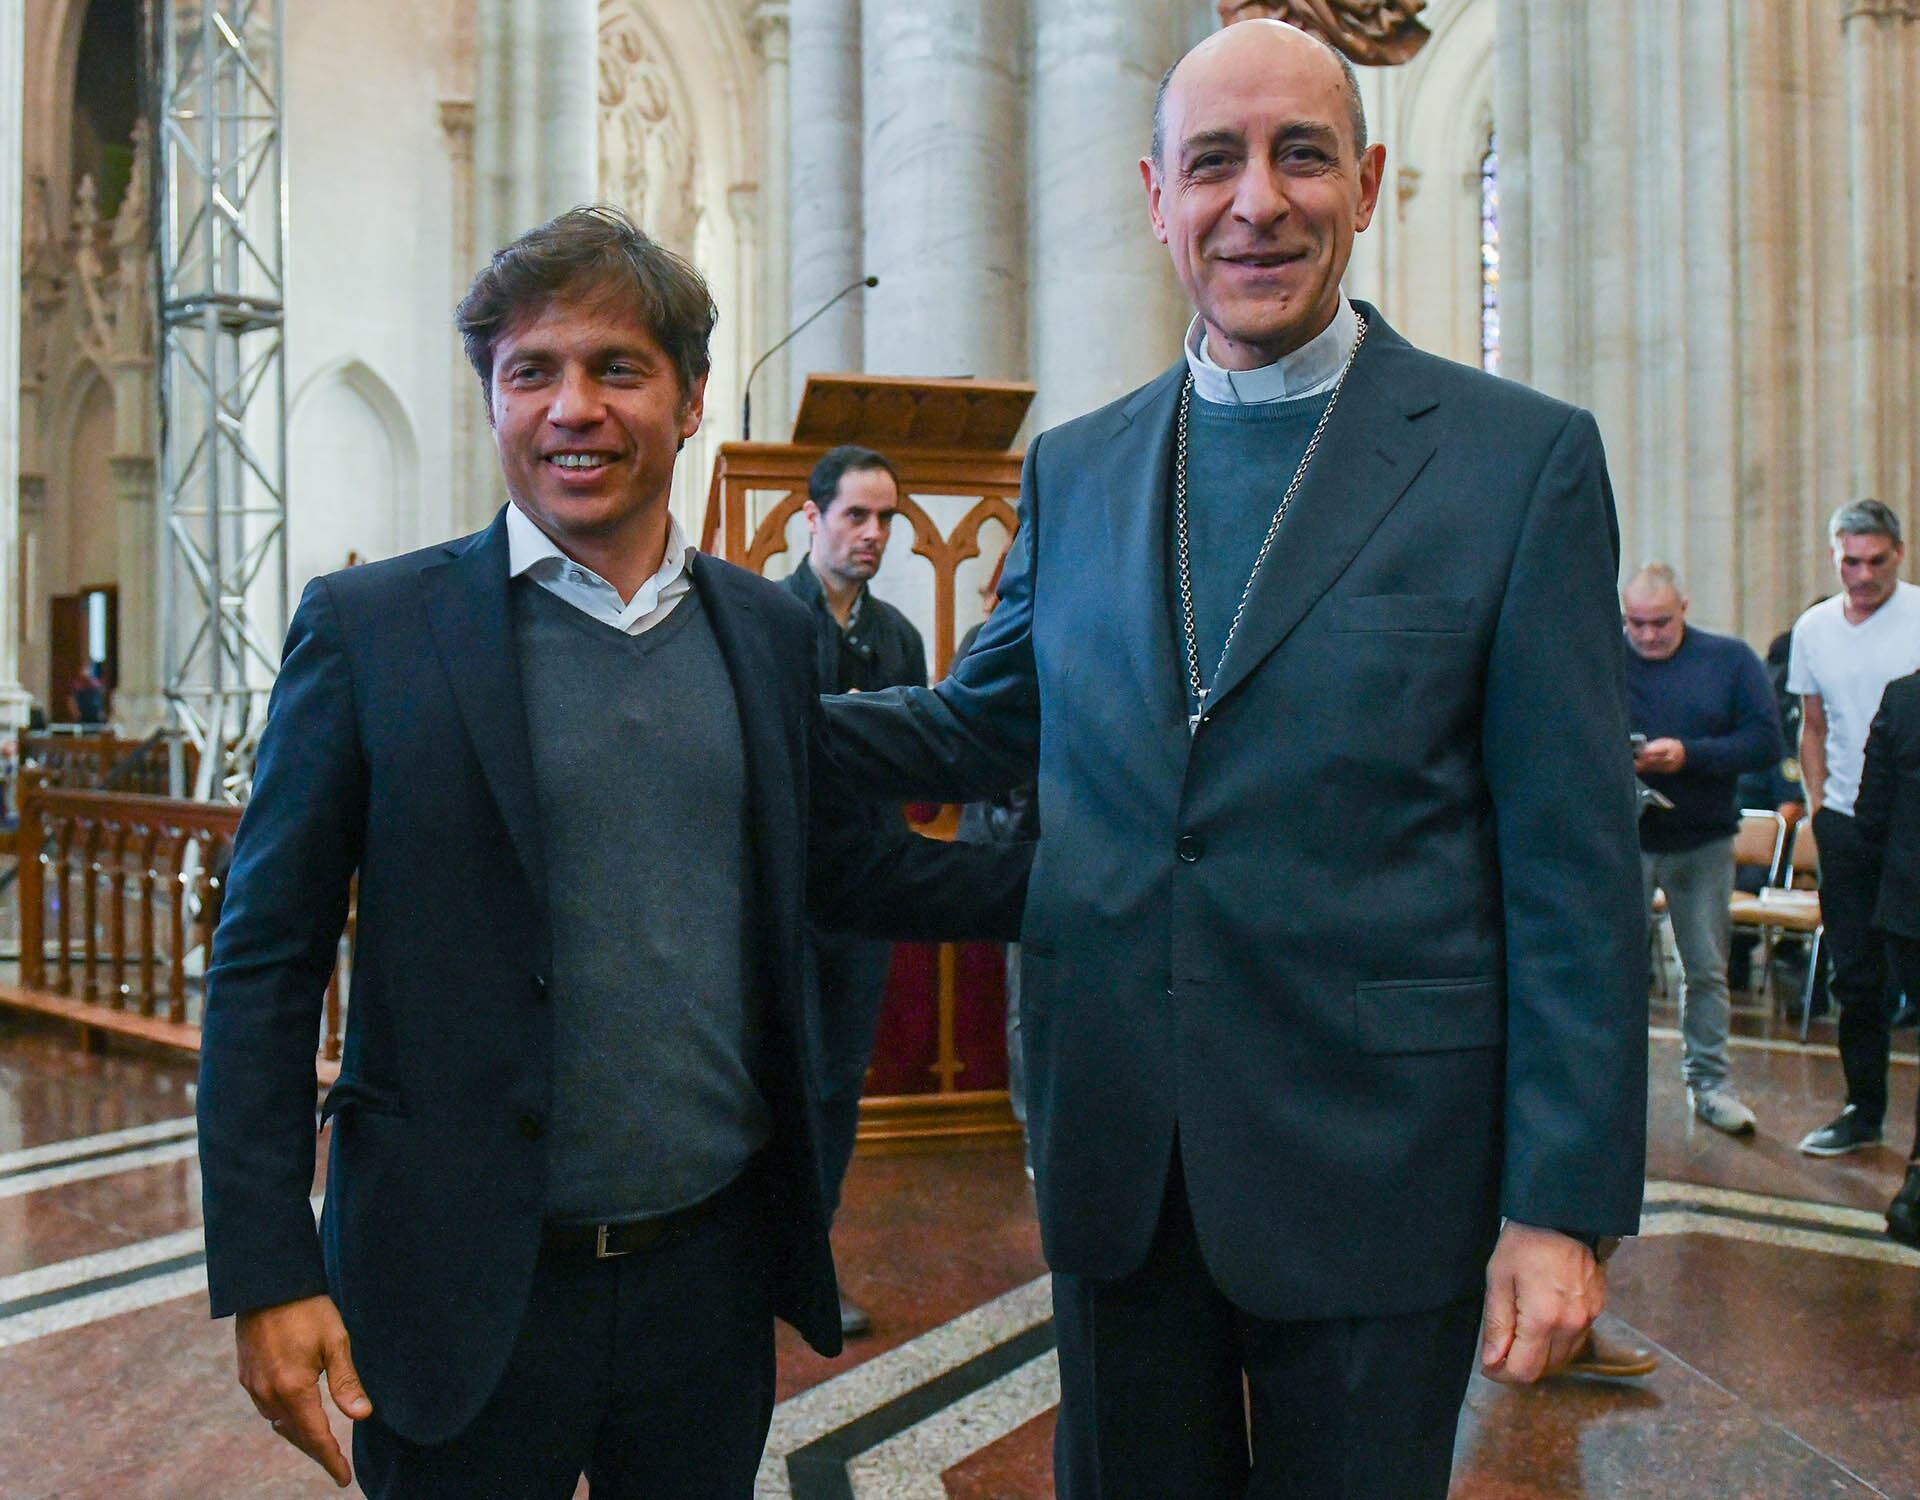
(1699, 886)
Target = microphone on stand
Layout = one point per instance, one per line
(746, 390)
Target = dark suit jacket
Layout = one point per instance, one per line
(397, 747)
(881, 650)
(1372, 942)
(1887, 810)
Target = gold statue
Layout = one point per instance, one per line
(1378, 33)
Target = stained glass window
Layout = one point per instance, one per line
(1490, 258)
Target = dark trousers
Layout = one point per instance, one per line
(1904, 954)
(852, 986)
(650, 1373)
(1849, 887)
(1168, 1389)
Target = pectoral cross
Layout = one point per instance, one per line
(1199, 712)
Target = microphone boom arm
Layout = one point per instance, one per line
(746, 388)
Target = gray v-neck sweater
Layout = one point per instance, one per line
(640, 776)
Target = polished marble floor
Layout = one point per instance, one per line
(1789, 1325)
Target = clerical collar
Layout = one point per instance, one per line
(1310, 370)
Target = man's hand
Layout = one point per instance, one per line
(282, 1352)
(1544, 1290)
(1664, 756)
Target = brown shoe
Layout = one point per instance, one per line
(1612, 1359)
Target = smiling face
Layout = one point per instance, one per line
(587, 416)
(1261, 189)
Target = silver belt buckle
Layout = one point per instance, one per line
(600, 1250)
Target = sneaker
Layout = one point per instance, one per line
(1721, 1109)
(1903, 1214)
(1846, 1132)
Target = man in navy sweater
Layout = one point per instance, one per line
(1705, 706)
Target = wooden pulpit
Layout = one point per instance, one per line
(939, 1070)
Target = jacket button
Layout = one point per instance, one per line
(1189, 848)
(539, 989)
(531, 1127)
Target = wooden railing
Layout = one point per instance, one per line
(119, 896)
(104, 761)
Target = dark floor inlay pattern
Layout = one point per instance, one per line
(819, 1470)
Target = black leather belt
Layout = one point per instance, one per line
(606, 1241)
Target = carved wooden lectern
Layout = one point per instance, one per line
(938, 1076)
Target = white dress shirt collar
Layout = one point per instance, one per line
(1310, 370)
(531, 551)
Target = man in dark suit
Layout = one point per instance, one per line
(1334, 997)
(1887, 812)
(862, 643)
(573, 1175)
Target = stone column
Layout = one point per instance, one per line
(535, 143)
(1107, 311)
(13, 699)
(824, 234)
(139, 705)
(1882, 47)
(474, 485)
(943, 218)
(1667, 207)
(768, 27)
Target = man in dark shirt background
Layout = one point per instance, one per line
(862, 643)
(1704, 703)
(1887, 811)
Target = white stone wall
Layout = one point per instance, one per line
(370, 287)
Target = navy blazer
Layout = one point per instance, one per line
(1370, 945)
(397, 747)
(1887, 810)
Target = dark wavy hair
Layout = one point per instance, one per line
(823, 483)
(591, 254)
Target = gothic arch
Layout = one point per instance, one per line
(80, 537)
(354, 462)
(53, 31)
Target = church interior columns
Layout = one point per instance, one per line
(943, 107)
(13, 701)
(824, 128)
(1668, 261)
(1096, 66)
(535, 120)
(770, 27)
(139, 704)
(531, 149)
(1882, 47)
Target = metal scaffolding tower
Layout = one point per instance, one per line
(220, 233)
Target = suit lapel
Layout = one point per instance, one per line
(1142, 449)
(1371, 452)
(740, 631)
(466, 604)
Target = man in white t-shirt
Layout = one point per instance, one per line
(1845, 651)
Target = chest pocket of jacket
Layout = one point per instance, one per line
(1400, 614)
